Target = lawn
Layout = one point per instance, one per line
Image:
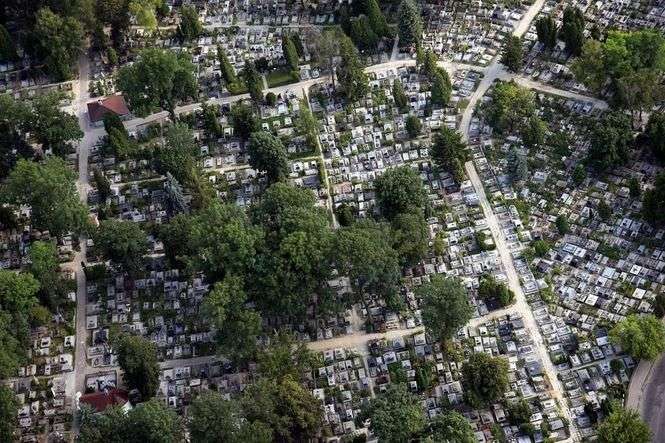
(280, 78)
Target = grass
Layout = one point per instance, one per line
(280, 78)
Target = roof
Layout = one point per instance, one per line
(99, 401)
(114, 104)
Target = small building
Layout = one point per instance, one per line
(114, 104)
(100, 401)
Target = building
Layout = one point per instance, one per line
(100, 401)
(114, 104)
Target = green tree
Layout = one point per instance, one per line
(655, 134)
(154, 422)
(517, 165)
(445, 307)
(634, 187)
(541, 247)
(510, 106)
(362, 34)
(610, 140)
(7, 45)
(512, 55)
(44, 266)
(653, 201)
(485, 379)
(411, 237)
(572, 29)
(49, 189)
(562, 224)
(491, 289)
(307, 125)
(124, 243)
(604, 210)
(376, 18)
(285, 357)
(546, 30)
(286, 407)
(410, 23)
(451, 426)
(268, 154)
(448, 152)
(190, 27)
(364, 252)
(327, 47)
(52, 127)
(137, 357)
(244, 120)
(222, 241)
(178, 155)
(158, 78)
(396, 415)
(441, 88)
(58, 42)
(213, 419)
(624, 426)
(254, 81)
(399, 190)
(579, 174)
(237, 326)
(350, 73)
(413, 126)
(533, 132)
(228, 73)
(8, 417)
(642, 337)
(290, 52)
(401, 100)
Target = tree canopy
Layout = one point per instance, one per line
(624, 426)
(124, 243)
(653, 201)
(350, 73)
(485, 378)
(158, 79)
(396, 415)
(642, 337)
(610, 139)
(8, 417)
(410, 23)
(509, 107)
(137, 356)
(449, 152)
(58, 42)
(451, 426)
(399, 190)
(512, 54)
(268, 154)
(445, 307)
(572, 29)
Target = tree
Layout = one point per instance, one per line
(268, 154)
(541, 247)
(290, 52)
(396, 415)
(634, 187)
(485, 379)
(491, 289)
(254, 81)
(533, 132)
(510, 106)
(53, 128)
(175, 196)
(562, 224)
(579, 174)
(451, 426)
(624, 426)
(610, 139)
(413, 126)
(7, 46)
(8, 417)
(154, 422)
(213, 419)
(546, 30)
(158, 78)
(642, 337)
(604, 210)
(49, 189)
(178, 155)
(411, 234)
(377, 20)
(362, 34)
(327, 47)
(653, 201)
(285, 357)
(445, 307)
(124, 243)
(399, 190)
(222, 241)
(228, 73)
(572, 29)
(512, 55)
(244, 120)
(364, 252)
(350, 73)
(137, 357)
(517, 165)
(441, 88)
(449, 152)
(401, 100)
(237, 326)
(44, 266)
(58, 42)
(307, 125)
(286, 407)
(655, 134)
(410, 23)
(190, 27)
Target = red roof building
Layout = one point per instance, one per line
(114, 104)
(99, 401)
